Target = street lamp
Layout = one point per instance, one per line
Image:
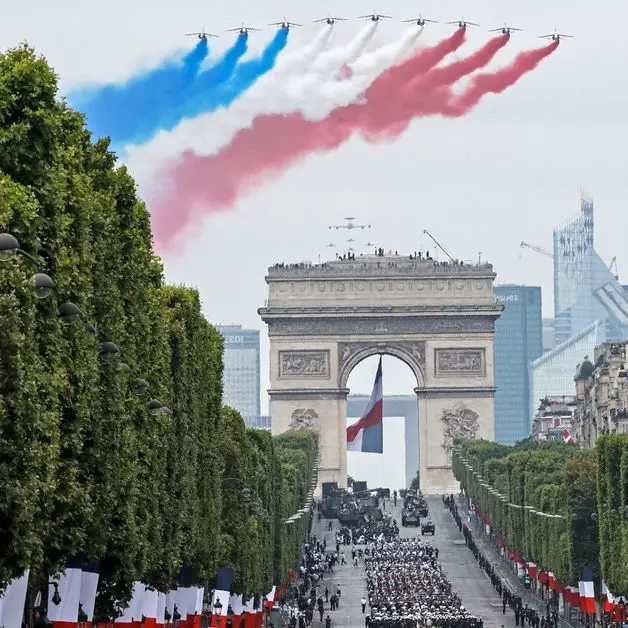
(9, 248)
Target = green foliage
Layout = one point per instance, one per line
(85, 469)
(416, 481)
(549, 477)
(612, 490)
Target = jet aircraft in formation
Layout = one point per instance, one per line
(243, 30)
(201, 35)
(555, 36)
(374, 17)
(505, 29)
(285, 24)
(349, 225)
(331, 20)
(420, 21)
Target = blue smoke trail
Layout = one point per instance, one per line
(244, 77)
(134, 110)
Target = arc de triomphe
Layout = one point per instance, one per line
(437, 318)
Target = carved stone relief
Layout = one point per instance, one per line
(303, 419)
(463, 362)
(304, 364)
(383, 326)
(458, 422)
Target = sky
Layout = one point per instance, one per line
(507, 172)
(387, 469)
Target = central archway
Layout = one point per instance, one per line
(398, 464)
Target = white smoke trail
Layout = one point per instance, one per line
(335, 58)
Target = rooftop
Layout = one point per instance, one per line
(387, 265)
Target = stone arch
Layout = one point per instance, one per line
(412, 354)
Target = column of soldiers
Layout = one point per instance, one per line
(407, 589)
(524, 615)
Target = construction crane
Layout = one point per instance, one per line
(538, 249)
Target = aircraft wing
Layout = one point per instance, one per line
(471, 24)
(494, 30)
(365, 16)
(192, 34)
(294, 24)
(250, 28)
(561, 35)
(388, 17)
(340, 19)
(546, 36)
(233, 30)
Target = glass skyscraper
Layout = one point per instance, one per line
(518, 341)
(241, 377)
(590, 306)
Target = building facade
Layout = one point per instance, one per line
(405, 406)
(241, 376)
(602, 394)
(554, 419)
(518, 341)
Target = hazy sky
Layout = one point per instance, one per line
(507, 172)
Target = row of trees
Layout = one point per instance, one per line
(114, 443)
(612, 497)
(541, 499)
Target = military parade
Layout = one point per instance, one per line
(405, 583)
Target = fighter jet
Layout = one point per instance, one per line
(243, 30)
(374, 17)
(202, 35)
(505, 29)
(330, 20)
(286, 25)
(556, 36)
(463, 23)
(420, 21)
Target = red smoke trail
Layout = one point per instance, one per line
(499, 81)
(384, 118)
(274, 142)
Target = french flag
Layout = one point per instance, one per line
(367, 435)
(567, 437)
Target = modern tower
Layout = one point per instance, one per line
(518, 341)
(590, 305)
(241, 376)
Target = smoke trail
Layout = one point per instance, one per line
(134, 109)
(334, 59)
(271, 143)
(416, 97)
(246, 74)
(499, 81)
(275, 142)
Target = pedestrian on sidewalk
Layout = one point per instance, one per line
(342, 559)
(363, 602)
(338, 594)
(329, 526)
(326, 596)
(355, 561)
(328, 622)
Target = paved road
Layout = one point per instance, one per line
(459, 565)
(462, 570)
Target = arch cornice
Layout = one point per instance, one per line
(410, 352)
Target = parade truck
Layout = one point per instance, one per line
(410, 518)
(428, 528)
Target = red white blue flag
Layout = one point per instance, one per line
(367, 435)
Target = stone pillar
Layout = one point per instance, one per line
(324, 410)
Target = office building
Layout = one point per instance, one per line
(241, 377)
(518, 341)
(549, 341)
(395, 406)
(590, 305)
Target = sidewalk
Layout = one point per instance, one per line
(502, 566)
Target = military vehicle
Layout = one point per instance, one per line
(410, 518)
(428, 528)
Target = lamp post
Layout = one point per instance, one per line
(217, 610)
(9, 249)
